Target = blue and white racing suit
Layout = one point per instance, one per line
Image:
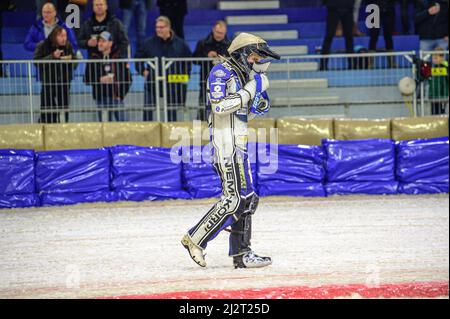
(231, 96)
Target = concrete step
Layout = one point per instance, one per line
(275, 35)
(258, 19)
(298, 84)
(293, 101)
(300, 66)
(245, 5)
(290, 49)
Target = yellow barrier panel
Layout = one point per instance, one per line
(22, 136)
(259, 130)
(73, 136)
(354, 129)
(132, 133)
(182, 133)
(304, 131)
(419, 127)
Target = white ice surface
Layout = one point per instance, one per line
(100, 250)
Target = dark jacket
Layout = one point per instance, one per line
(36, 34)
(54, 73)
(384, 5)
(122, 76)
(210, 44)
(339, 3)
(174, 47)
(173, 5)
(428, 26)
(111, 24)
(127, 4)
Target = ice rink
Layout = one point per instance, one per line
(133, 249)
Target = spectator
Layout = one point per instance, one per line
(175, 10)
(439, 81)
(136, 10)
(165, 43)
(55, 77)
(387, 22)
(338, 10)
(102, 20)
(110, 80)
(215, 44)
(404, 12)
(431, 21)
(2, 8)
(41, 29)
(356, 10)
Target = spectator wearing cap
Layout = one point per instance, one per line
(102, 20)
(215, 44)
(165, 44)
(41, 29)
(110, 80)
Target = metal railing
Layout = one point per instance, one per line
(168, 89)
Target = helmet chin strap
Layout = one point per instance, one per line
(261, 66)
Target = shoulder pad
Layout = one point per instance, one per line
(218, 81)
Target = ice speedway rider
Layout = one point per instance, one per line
(236, 90)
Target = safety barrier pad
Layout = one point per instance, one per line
(17, 182)
(199, 176)
(359, 162)
(357, 129)
(146, 173)
(423, 166)
(132, 133)
(419, 127)
(22, 136)
(298, 131)
(73, 176)
(296, 170)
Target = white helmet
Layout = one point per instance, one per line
(244, 45)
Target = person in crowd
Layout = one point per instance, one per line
(165, 43)
(55, 77)
(356, 10)
(111, 81)
(431, 23)
(387, 22)
(215, 44)
(439, 82)
(338, 10)
(136, 10)
(404, 14)
(102, 20)
(176, 11)
(41, 29)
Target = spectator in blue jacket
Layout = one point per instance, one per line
(41, 29)
(165, 44)
(431, 21)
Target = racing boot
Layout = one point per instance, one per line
(195, 251)
(251, 260)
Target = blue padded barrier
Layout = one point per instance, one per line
(360, 166)
(299, 170)
(146, 173)
(199, 176)
(73, 176)
(17, 179)
(423, 166)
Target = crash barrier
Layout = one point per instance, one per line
(371, 166)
